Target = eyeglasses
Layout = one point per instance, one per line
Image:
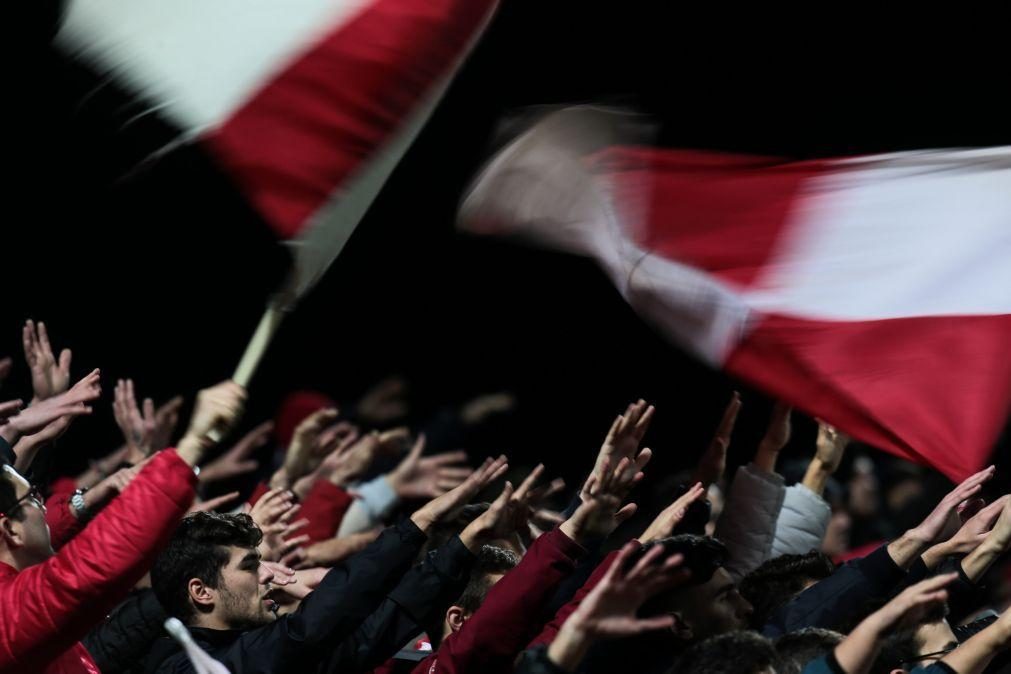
(929, 656)
(34, 496)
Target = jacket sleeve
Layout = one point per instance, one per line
(126, 636)
(48, 607)
(802, 522)
(748, 523)
(324, 506)
(838, 599)
(418, 602)
(63, 525)
(490, 640)
(377, 500)
(551, 629)
(349, 594)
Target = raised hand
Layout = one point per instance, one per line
(671, 516)
(70, 403)
(331, 551)
(137, 425)
(419, 477)
(610, 610)
(506, 516)
(713, 463)
(306, 449)
(829, 446)
(777, 435)
(384, 402)
(914, 542)
(930, 529)
(50, 376)
(28, 446)
(353, 462)
(441, 506)
(858, 651)
(624, 437)
(973, 532)
(237, 460)
(217, 409)
(166, 417)
(9, 409)
(601, 511)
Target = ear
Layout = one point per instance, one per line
(202, 595)
(681, 629)
(11, 533)
(455, 618)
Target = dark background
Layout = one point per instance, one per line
(151, 267)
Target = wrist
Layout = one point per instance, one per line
(280, 479)
(570, 646)
(190, 449)
(766, 456)
(935, 554)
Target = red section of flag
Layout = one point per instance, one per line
(932, 389)
(308, 130)
(694, 197)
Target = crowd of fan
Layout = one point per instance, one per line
(362, 552)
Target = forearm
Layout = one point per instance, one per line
(26, 451)
(766, 457)
(977, 562)
(816, 476)
(905, 549)
(569, 647)
(857, 652)
(973, 655)
(10, 434)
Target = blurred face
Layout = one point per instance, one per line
(26, 528)
(712, 608)
(934, 640)
(242, 600)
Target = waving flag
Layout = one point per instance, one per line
(873, 292)
(307, 105)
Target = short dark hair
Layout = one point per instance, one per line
(490, 560)
(198, 550)
(740, 652)
(798, 648)
(702, 555)
(772, 585)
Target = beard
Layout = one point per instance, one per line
(243, 612)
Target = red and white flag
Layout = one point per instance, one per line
(307, 105)
(873, 292)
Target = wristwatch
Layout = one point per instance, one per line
(77, 505)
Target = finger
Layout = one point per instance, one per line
(618, 565)
(661, 622)
(612, 432)
(447, 458)
(555, 486)
(726, 426)
(626, 512)
(290, 513)
(148, 411)
(10, 408)
(295, 526)
(643, 458)
(218, 501)
(978, 478)
(497, 471)
(454, 473)
(524, 489)
(417, 448)
(645, 562)
(44, 341)
(447, 485)
(65, 357)
(295, 542)
(642, 425)
(294, 558)
(28, 342)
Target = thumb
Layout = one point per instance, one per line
(65, 357)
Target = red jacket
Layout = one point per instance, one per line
(510, 616)
(551, 630)
(46, 609)
(63, 525)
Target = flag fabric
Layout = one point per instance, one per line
(873, 292)
(307, 105)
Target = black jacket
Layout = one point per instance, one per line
(361, 614)
(119, 645)
(838, 599)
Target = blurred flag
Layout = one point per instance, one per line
(873, 292)
(307, 105)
